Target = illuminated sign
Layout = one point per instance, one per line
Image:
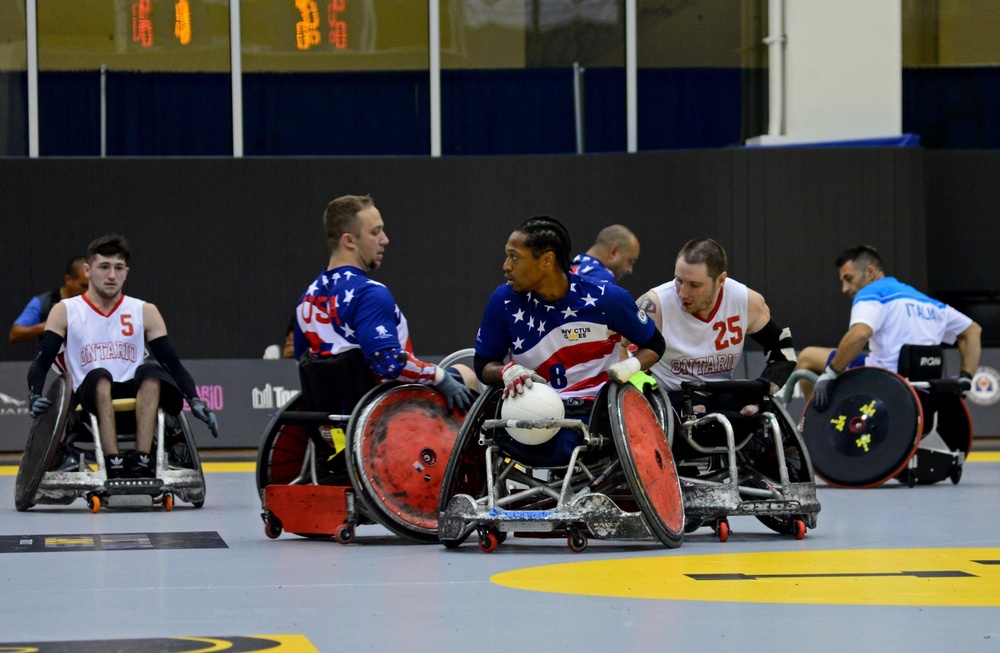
(142, 22)
(182, 21)
(307, 30)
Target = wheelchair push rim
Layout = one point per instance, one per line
(868, 433)
(43, 441)
(648, 464)
(400, 440)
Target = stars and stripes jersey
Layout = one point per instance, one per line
(570, 342)
(899, 314)
(115, 341)
(344, 309)
(701, 349)
(589, 266)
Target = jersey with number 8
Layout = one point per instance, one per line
(115, 341)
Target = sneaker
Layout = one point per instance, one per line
(115, 465)
(70, 461)
(139, 464)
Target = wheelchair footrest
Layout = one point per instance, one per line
(311, 509)
(149, 486)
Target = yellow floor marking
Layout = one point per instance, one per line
(912, 577)
(984, 457)
(11, 470)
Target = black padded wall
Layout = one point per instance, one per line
(224, 247)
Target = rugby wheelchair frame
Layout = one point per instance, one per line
(378, 459)
(735, 465)
(62, 433)
(620, 484)
(913, 425)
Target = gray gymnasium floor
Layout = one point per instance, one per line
(887, 569)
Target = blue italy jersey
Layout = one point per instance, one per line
(570, 342)
(344, 309)
(899, 314)
(589, 266)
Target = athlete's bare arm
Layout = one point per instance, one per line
(57, 320)
(153, 322)
(651, 304)
(758, 314)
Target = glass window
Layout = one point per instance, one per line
(327, 77)
(13, 80)
(507, 75)
(951, 72)
(699, 67)
(167, 86)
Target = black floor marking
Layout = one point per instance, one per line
(159, 645)
(888, 574)
(110, 542)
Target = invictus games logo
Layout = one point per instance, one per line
(985, 386)
(575, 333)
(13, 406)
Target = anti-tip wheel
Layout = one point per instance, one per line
(577, 542)
(800, 529)
(488, 542)
(94, 503)
(722, 530)
(345, 534)
(272, 528)
(168, 502)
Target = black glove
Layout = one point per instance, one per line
(965, 380)
(38, 404)
(824, 385)
(456, 393)
(201, 411)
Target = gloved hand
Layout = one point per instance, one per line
(457, 394)
(644, 381)
(201, 411)
(517, 377)
(824, 385)
(622, 371)
(965, 379)
(38, 404)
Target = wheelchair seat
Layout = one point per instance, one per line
(347, 452)
(882, 424)
(734, 464)
(619, 483)
(46, 477)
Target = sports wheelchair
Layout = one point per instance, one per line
(345, 453)
(619, 484)
(732, 464)
(64, 447)
(913, 425)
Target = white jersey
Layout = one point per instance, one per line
(701, 349)
(113, 341)
(899, 314)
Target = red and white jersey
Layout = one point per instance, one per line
(114, 341)
(701, 349)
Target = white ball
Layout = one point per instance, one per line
(539, 401)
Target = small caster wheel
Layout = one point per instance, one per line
(956, 475)
(272, 528)
(488, 542)
(799, 527)
(94, 503)
(722, 530)
(168, 502)
(577, 542)
(345, 534)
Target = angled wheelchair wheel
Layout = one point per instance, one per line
(283, 449)
(42, 444)
(400, 439)
(868, 433)
(466, 469)
(761, 468)
(648, 463)
(183, 453)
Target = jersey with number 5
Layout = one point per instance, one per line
(701, 349)
(114, 341)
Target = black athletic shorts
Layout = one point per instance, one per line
(171, 400)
